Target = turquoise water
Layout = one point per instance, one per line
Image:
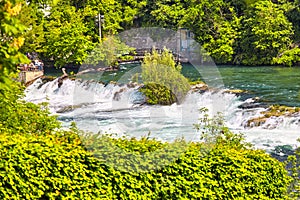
(273, 85)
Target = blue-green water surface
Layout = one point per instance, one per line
(275, 85)
(272, 84)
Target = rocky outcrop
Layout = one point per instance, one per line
(62, 78)
(199, 87)
(275, 112)
(235, 91)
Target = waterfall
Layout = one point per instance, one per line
(120, 108)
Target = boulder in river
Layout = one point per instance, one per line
(200, 87)
(274, 112)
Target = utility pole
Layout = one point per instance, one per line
(99, 18)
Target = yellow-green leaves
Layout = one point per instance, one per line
(11, 39)
(162, 69)
(267, 33)
(57, 166)
(66, 36)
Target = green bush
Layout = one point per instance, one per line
(293, 165)
(57, 167)
(18, 116)
(163, 70)
(149, 169)
(48, 167)
(158, 94)
(288, 57)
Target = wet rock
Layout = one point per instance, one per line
(70, 108)
(275, 113)
(133, 84)
(85, 71)
(251, 103)
(201, 87)
(255, 122)
(117, 95)
(248, 105)
(46, 79)
(235, 91)
(66, 109)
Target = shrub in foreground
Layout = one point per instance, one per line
(59, 166)
(18, 116)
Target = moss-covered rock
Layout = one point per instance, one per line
(257, 121)
(235, 91)
(198, 86)
(277, 110)
(158, 94)
(273, 111)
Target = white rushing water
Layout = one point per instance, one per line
(120, 109)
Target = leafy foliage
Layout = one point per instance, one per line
(66, 37)
(293, 14)
(17, 116)
(56, 166)
(162, 69)
(48, 167)
(158, 94)
(288, 57)
(215, 26)
(10, 38)
(265, 35)
(249, 32)
(109, 51)
(231, 31)
(33, 18)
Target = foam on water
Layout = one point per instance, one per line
(119, 109)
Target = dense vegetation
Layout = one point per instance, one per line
(248, 32)
(164, 84)
(48, 163)
(39, 160)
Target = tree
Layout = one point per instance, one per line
(144, 17)
(293, 14)
(41, 3)
(33, 18)
(108, 52)
(289, 57)
(11, 39)
(222, 46)
(118, 14)
(169, 14)
(162, 69)
(16, 115)
(215, 25)
(266, 32)
(66, 38)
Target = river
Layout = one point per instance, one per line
(119, 108)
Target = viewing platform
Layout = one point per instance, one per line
(27, 77)
(32, 71)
